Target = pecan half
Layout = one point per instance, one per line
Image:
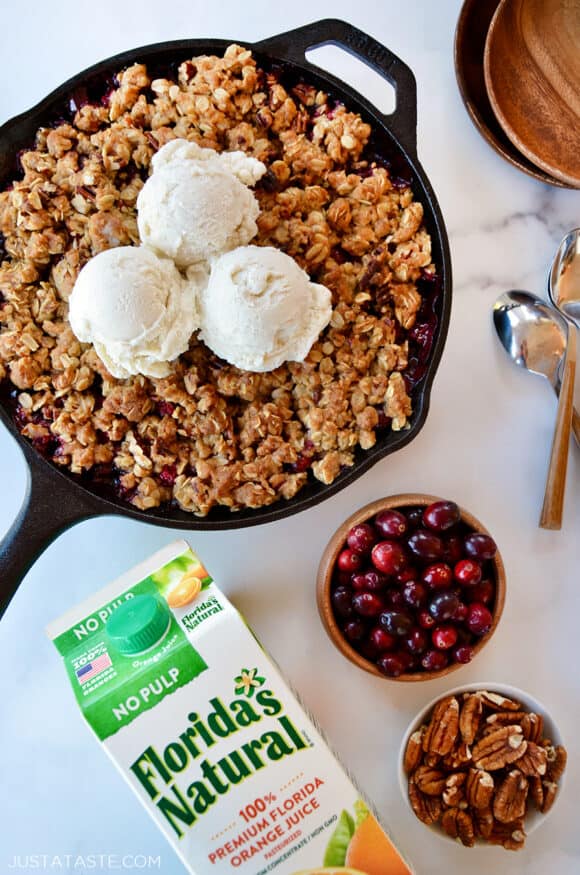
(550, 788)
(458, 758)
(499, 748)
(483, 820)
(557, 759)
(426, 808)
(532, 727)
(470, 718)
(459, 825)
(504, 718)
(537, 792)
(414, 751)
(510, 798)
(534, 762)
(497, 702)
(442, 730)
(430, 781)
(479, 788)
(510, 835)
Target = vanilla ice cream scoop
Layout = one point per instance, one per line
(195, 205)
(136, 309)
(259, 309)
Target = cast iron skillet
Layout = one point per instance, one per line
(56, 500)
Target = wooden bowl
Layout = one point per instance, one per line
(470, 36)
(532, 73)
(328, 562)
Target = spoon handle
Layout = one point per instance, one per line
(575, 415)
(551, 516)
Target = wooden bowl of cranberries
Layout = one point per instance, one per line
(411, 587)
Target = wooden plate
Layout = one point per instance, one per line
(532, 74)
(470, 36)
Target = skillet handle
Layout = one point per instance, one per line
(293, 45)
(49, 507)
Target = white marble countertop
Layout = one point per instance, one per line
(485, 443)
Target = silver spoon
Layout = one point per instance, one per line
(534, 335)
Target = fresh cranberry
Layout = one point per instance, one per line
(415, 594)
(354, 630)
(359, 582)
(414, 517)
(391, 524)
(482, 592)
(480, 546)
(361, 538)
(388, 557)
(444, 637)
(350, 561)
(382, 639)
(417, 641)
(463, 653)
(374, 581)
(467, 572)
(407, 574)
(343, 578)
(452, 549)
(438, 576)
(342, 602)
(479, 619)
(441, 515)
(368, 649)
(396, 622)
(367, 604)
(426, 545)
(434, 660)
(392, 664)
(461, 613)
(426, 621)
(394, 598)
(443, 606)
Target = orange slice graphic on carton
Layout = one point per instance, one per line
(185, 590)
(371, 851)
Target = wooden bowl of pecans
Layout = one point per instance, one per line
(482, 764)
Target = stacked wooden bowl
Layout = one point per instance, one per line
(518, 68)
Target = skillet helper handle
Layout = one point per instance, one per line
(553, 507)
(49, 507)
(293, 45)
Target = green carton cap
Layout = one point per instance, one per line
(138, 624)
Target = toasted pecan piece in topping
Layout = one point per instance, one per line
(443, 727)
(470, 718)
(499, 748)
(479, 788)
(510, 797)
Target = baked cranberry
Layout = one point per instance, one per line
(480, 546)
(438, 576)
(168, 475)
(482, 592)
(426, 545)
(388, 557)
(367, 604)
(382, 639)
(354, 630)
(434, 660)
(415, 594)
(441, 515)
(358, 582)
(374, 581)
(414, 517)
(467, 572)
(407, 574)
(463, 653)
(165, 408)
(392, 664)
(361, 538)
(426, 621)
(452, 549)
(417, 641)
(396, 622)
(444, 637)
(461, 613)
(479, 619)
(342, 602)
(443, 605)
(348, 560)
(391, 524)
